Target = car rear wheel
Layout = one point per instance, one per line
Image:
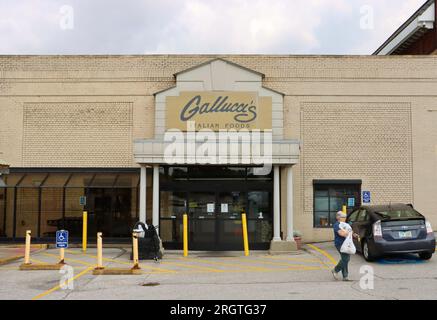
(367, 253)
(425, 255)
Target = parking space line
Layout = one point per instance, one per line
(260, 271)
(69, 259)
(307, 268)
(247, 260)
(128, 263)
(323, 252)
(224, 264)
(193, 267)
(294, 259)
(64, 283)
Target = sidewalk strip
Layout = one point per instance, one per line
(294, 259)
(65, 282)
(10, 259)
(323, 252)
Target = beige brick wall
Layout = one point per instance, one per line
(383, 105)
(77, 134)
(367, 141)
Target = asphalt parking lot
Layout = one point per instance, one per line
(231, 275)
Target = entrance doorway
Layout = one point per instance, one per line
(215, 219)
(109, 212)
(214, 204)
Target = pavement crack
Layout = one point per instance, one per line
(369, 293)
(123, 252)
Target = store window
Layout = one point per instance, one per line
(48, 201)
(330, 196)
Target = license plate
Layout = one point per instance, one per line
(405, 234)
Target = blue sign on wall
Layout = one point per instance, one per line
(366, 196)
(82, 200)
(62, 239)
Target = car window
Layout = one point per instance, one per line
(400, 213)
(362, 215)
(353, 216)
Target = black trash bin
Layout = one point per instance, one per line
(148, 246)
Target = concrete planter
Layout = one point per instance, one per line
(298, 241)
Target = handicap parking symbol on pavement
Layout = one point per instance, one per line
(62, 239)
(401, 259)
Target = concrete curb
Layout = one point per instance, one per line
(4, 261)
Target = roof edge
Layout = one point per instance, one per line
(415, 15)
(219, 59)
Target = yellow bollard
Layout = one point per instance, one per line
(135, 250)
(185, 231)
(344, 209)
(61, 256)
(99, 252)
(27, 248)
(84, 231)
(100, 270)
(245, 239)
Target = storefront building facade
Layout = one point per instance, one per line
(124, 137)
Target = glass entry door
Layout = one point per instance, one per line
(214, 198)
(215, 220)
(230, 205)
(202, 219)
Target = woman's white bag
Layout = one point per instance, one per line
(348, 246)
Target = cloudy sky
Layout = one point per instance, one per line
(199, 26)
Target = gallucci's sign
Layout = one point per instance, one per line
(218, 110)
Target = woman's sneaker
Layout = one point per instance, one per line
(334, 274)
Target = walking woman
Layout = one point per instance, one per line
(341, 231)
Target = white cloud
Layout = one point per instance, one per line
(198, 26)
(389, 16)
(246, 26)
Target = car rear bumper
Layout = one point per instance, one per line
(381, 246)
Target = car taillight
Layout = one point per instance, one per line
(377, 229)
(428, 226)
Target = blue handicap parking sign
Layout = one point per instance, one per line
(62, 239)
(82, 200)
(366, 196)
